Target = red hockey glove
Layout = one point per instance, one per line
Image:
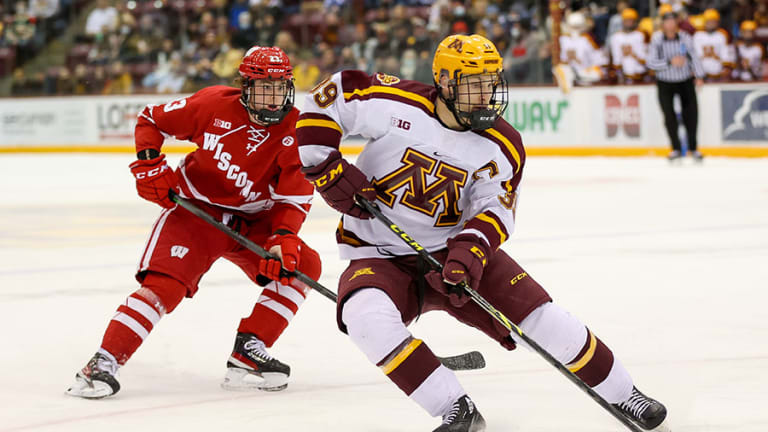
(467, 256)
(287, 246)
(153, 180)
(339, 182)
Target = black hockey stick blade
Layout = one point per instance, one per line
(467, 361)
(457, 362)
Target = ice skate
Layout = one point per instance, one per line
(463, 417)
(674, 156)
(250, 367)
(646, 412)
(98, 379)
(697, 156)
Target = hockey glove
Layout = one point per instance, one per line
(467, 257)
(286, 246)
(339, 182)
(153, 180)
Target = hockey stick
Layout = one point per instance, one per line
(467, 361)
(495, 313)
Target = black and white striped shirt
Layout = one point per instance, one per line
(661, 52)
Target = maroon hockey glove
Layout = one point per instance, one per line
(153, 180)
(339, 182)
(467, 256)
(286, 245)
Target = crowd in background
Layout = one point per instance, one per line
(172, 46)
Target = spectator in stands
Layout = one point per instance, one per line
(761, 14)
(245, 34)
(80, 78)
(226, 62)
(20, 33)
(102, 19)
(749, 54)
(347, 60)
(714, 46)
(579, 51)
(169, 77)
(22, 85)
(629, 50)
(517, 57)
(284, 41)
(119, 80)
(306, 74)
(65, 82)
(616, 22)
(107, 50)
(98, 80)
(362, 48)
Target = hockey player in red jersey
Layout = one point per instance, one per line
(445, 167)
(246, 173)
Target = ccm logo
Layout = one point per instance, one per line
(151, 173)
(275, 70)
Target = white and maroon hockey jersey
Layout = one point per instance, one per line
(238, 165)
(715, 50)
(750, 61)
(581, 52)
(432, 181)
(629, 51)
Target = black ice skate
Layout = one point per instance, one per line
(97, 379)
(674, 155)
(697, 156)
(250, 367)
(463, 417)
(646, 412)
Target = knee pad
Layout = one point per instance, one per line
(556, 330)
(373, 323)
(166, 290)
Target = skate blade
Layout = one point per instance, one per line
(93, 390)
(242, 380)
(663, 427)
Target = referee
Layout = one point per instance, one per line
(676, 64)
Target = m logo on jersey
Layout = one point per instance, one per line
(179, 251)
(627, 116)
(258, 136)
(419, 195)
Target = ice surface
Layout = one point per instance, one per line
(668, 265)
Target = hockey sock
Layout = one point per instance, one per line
(272, 313)
(584, 354)
(375, 325)
(138, 315)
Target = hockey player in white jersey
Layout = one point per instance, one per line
(443, 164)
(580, 51)
(629, 50)
(749, 54)
(714, 46)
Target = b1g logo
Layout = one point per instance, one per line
(400, 123)
(626, 116)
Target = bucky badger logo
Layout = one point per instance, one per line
(387, 79)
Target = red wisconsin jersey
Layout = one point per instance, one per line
(238, 165)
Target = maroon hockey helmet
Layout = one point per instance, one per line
(267, 63)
